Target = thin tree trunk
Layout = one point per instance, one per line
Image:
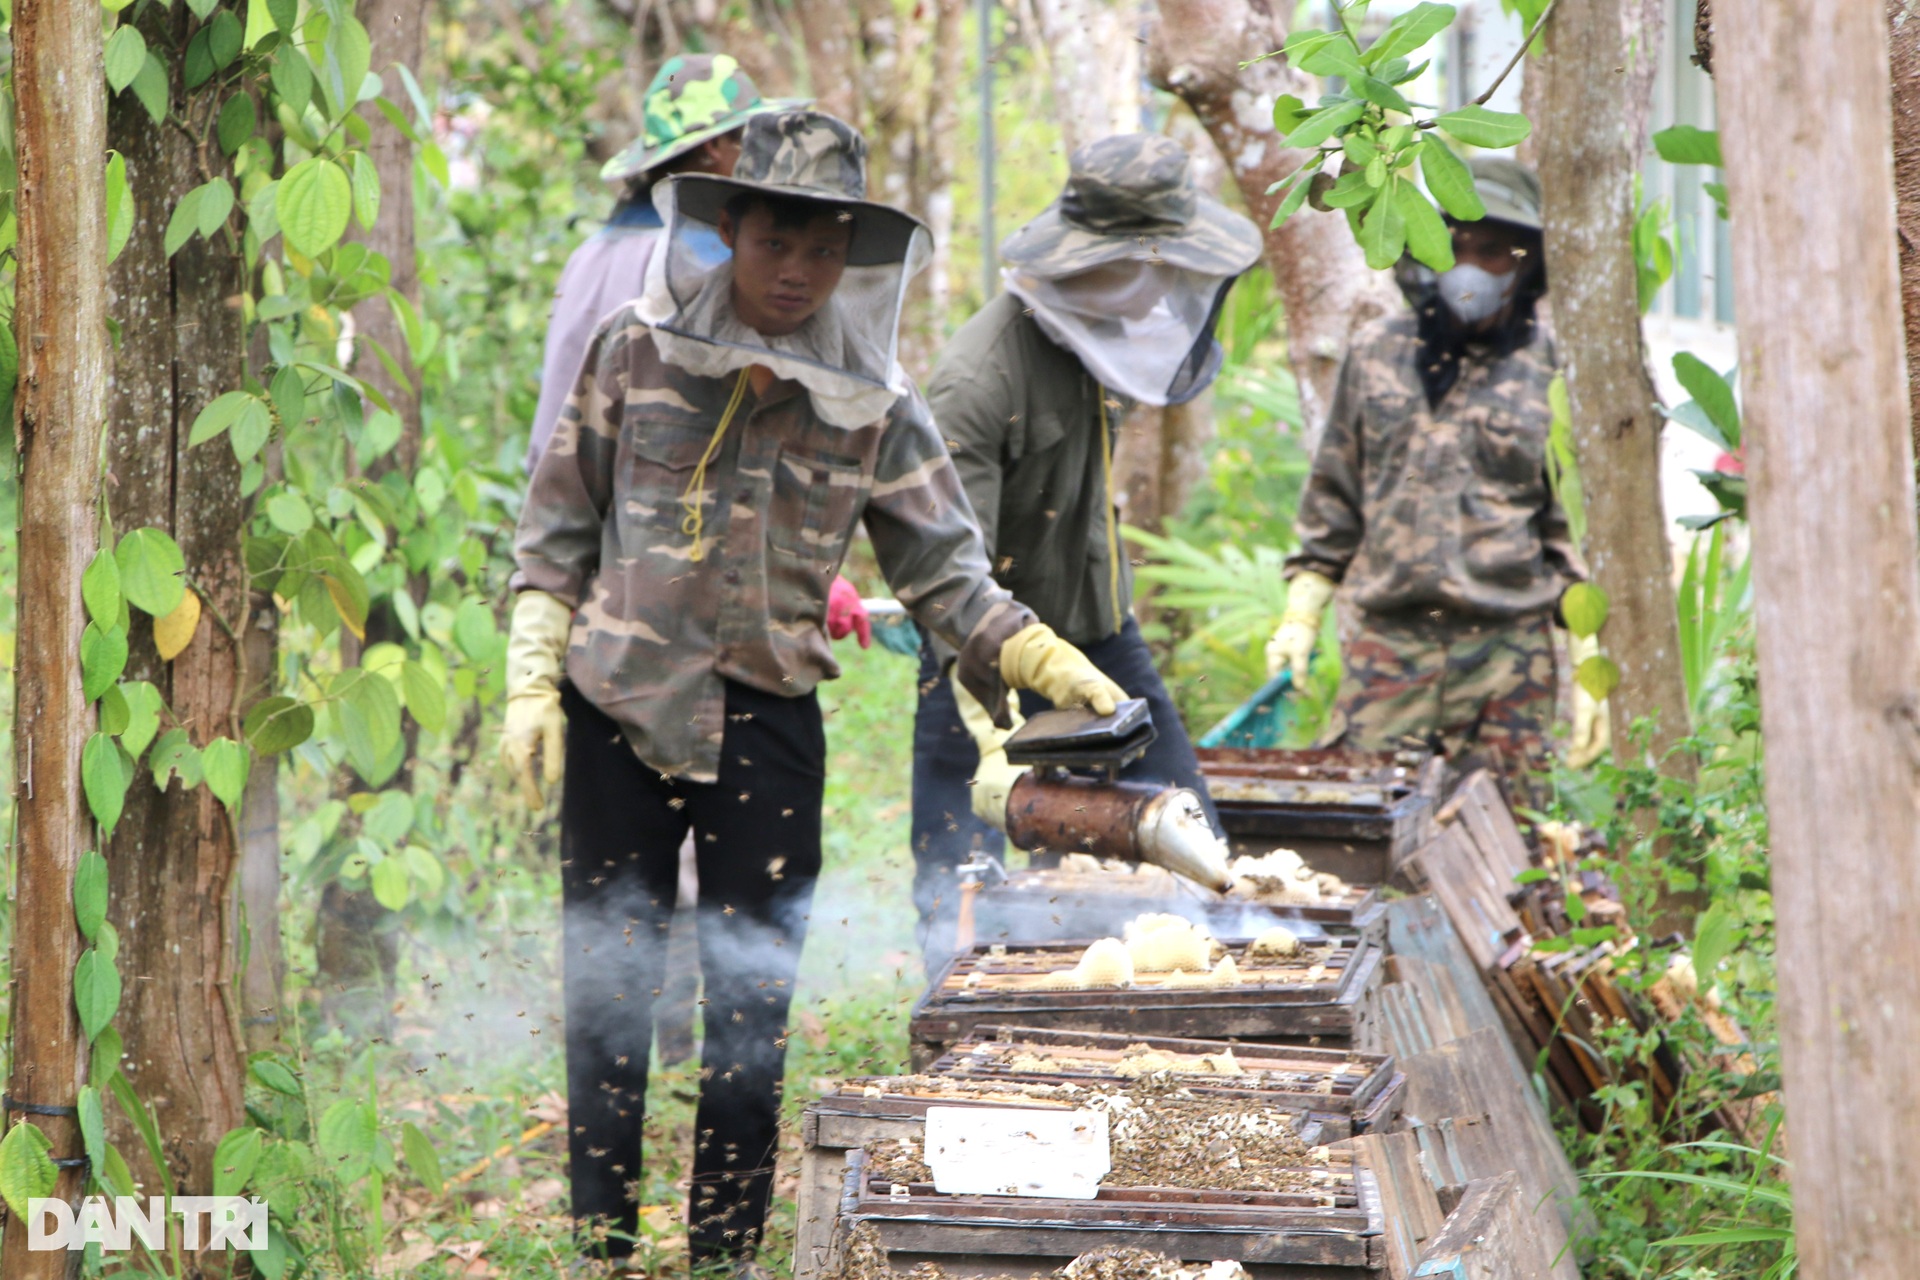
(1196, 51)
(1904, 55)
(1095, 92)
(263, 979)
(60, 324)
(1586, 169)
(826, 28)
(174, 854)
(395, 27)
(1837, 606)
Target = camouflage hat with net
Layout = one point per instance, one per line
(693, 97)
(1132, 196)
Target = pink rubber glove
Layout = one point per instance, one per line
(846, 614)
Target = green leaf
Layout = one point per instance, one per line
(150, 86)
(347, 1134)
(224, 36)
(429, 873)
(285, 14)
(93, 1126)
(1731, 1235)
(289, 395)
(150, 567)
(1712, 392)
(1324, 123)
(103, 656)
(142, 1117)
(1352, 191)
(216, 204)
(1381, 94)
(115, 714)
(370, 699)
(278, 724)
(426, 699)
(27, 1172)
(1288, 112)
(349, 58)
(196, 67)
(237, 123)
(1478, 127)
(143, 721)
(391, 886)
(184, 221)
(292, 77)
(96, 991)
(104, 781)
(289, 513)
(124, 55)
(1715, 936)
(201, 8)
(389, 820)
(1684, 144)
(421, 1157)
(260, 23)
(90, 893)
(1376, 172)
(1334, 56)
(366, 189)
(175, 753)
(1599, 676)
(1450, 181)
(1409, 31)
(1428, 237)
(348, 591)
(1288, 207)
(313, 202)
(100, 587)
(226, 766)
(219, 414)
(1383, 233)
(251, 429)
(1584, 606)
(273, 1073)
(119, 205)
(474, 630)
(234, 1160)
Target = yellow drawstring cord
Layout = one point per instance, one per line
(1113, 534)
(691, 523)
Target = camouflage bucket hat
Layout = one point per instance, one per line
(1133, 196)
(1509, 189)
(817, 157)
(693, 97)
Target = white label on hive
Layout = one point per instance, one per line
(1008, 1151)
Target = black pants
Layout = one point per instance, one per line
(944, 760)
(757, 839)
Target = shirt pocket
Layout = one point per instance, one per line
(661, 459)
(1510, 449)
(816, 497)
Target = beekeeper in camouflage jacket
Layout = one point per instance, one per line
(1429, 504)
(727, 432)
(1111, 297)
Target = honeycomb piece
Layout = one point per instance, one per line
(1105, 964)
(1277, 941)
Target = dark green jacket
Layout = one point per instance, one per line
(1021, 416)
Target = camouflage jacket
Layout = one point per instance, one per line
(656, 633)
(1022, 416)
(1416, 507)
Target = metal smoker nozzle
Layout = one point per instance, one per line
(1173, 833)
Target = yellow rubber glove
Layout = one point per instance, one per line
(536, 651)
(1592, 723)
(1037, 659)
(993, 780)
(1299, 629)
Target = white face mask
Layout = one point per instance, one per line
(1473, 293)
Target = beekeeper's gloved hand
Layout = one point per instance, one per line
(847, 614)
(1299, 629)
(536, 651)
(1592, 723)
(993, 780)
(1037, 659)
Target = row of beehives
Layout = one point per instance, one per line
(1259, 1118)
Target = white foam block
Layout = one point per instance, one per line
(1009, 1151)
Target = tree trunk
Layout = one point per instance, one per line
(1093, 69)
(1587, 171)
(395, 27)
(1836, 605)
(1904, 55)
(1195, 52)
(258, 896)
(60, 324)
(174, 855)
(826, 28)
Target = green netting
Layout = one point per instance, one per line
(1264, 720)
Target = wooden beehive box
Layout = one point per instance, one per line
(1335, 1229)
(1312, 999)
(1358, 815)
(1046, 903)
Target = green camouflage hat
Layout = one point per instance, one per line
(812, 155)
(1132, 196)
(693, 97)
(1509, 189)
